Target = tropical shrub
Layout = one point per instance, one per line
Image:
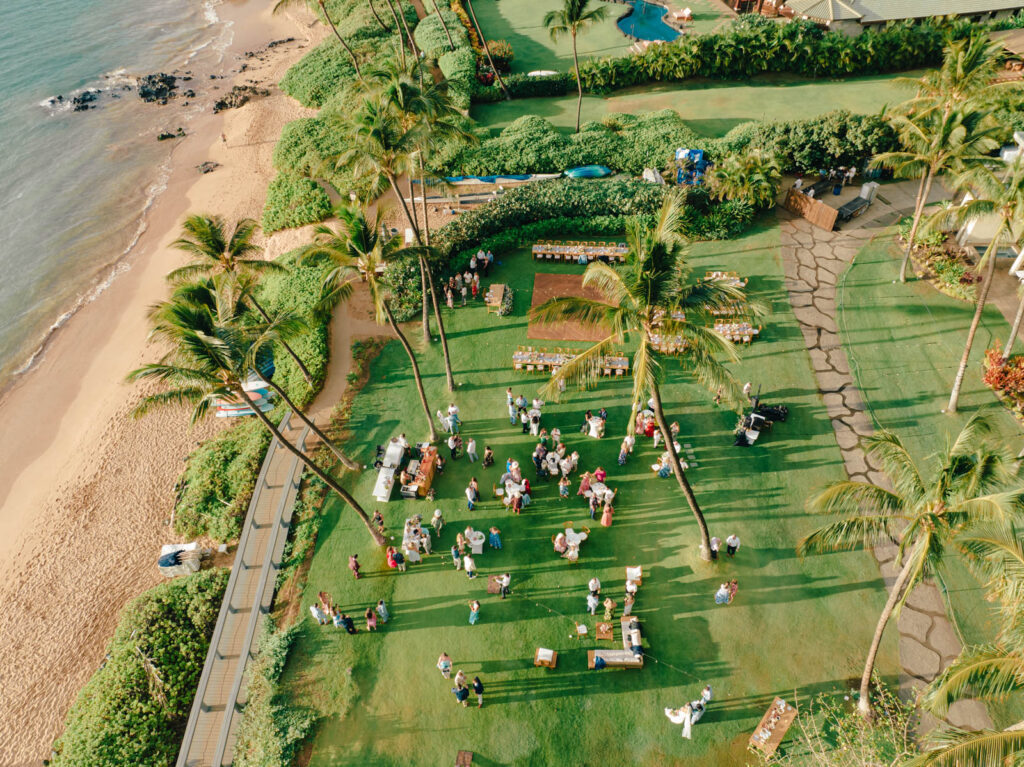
(467, 24)
(1014, 21)
(502, 54)
(752, 176)
(431, 38)
(304, 147)
(956, 278)
(294, 201)
(132, 712)
(925, 237)
(459, 69)
(1005, 376)
(521, 86)
(754, 45)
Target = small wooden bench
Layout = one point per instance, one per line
(615, 658)
(464, 759)
(537, 661)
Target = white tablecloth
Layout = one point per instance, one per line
(385, 484)
(573, 538)
(393, 455)
(476, 542)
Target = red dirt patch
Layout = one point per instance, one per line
(548, 286)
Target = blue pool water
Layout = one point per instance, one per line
(646, 22)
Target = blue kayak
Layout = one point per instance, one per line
(589, 171)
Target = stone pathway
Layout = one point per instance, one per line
(814, 260)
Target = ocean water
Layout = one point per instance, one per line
(74, 186)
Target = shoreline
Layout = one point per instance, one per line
(86, 493)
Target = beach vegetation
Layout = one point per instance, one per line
(132, 711)
(294, 201)
(440, 33)
(319, 7)
(493, 71)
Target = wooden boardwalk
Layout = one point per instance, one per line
(210, 734)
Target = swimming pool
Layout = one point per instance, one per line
(646, 22)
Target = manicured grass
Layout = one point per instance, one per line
(711, 108)
(904, 343)
(796, 624)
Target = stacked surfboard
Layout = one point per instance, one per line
(258, 395)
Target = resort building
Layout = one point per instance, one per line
(853, 16)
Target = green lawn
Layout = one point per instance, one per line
(795, 624)
(904, 344)
(711, 108)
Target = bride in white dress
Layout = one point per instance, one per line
(681, 716)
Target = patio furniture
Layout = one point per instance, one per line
(495, 295)
(614, 659)
(464, 759)
(545, 657)
(604, 631)
(773, 726)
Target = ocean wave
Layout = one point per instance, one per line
(115, 80)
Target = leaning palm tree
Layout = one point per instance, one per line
(209, 363)
(994, 194)
(487, 49)
(227, 298)
(320, 7)
(968, 69)
(936, 143)
(358, 247)
(572, 18)
(214, 254)
(651, 295)
(924, 513)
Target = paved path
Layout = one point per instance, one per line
(210, 733)
(813, 260)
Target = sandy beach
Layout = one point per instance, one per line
(86, 493)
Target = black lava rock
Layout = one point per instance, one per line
(239, 95)
(157, 88)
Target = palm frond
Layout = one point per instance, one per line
(962, 748)
(989, 672)
(583, 370)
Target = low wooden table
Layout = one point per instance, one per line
(605, 631)
(494, 296)
(463, 759)
(787, 715)
(545, 663)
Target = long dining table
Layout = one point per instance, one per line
(580, 251)
(541, 360)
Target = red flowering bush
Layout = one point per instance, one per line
(1005, 376)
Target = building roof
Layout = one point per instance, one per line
(871, 11)
(889, 10)
(825, 10)
(1011, 39)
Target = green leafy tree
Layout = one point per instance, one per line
(358, 246)
(925, 512)
(640, 302)
(993, 194)
(752, 176)
(571, 19)
(211, 357)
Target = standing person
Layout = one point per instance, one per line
(747, 388)
(471, 450)
(505, 583)
(474, 288)
(478, 688)
(722, 595)
(382, 611)
(444, 663)
(718, 396)
(460, 678)
(378, 520)
(488, 457)
(473, 261)
(428, 546)
(592, 604)
(464, 293)
(716, 544)
(495, 537)
(512, 410)
(705, 695)
(732, 544)
(627, 605)
(399, 558)
(526, 491)
(449, 297)
(353, 565)
(734, 586)
(609, 609)
(474, 612)
(453, 446)
(475, 487)
(461, 695)
(456, 557)
(470, 497)
(490, 259)
(606, 514)
(318, 614)
(336, 618)
(438, 522)
(593, 503)
(350, 627)
(594, 586)
(563, 488)
(524, 419)
(517, 503)
(371, 619)
(470, 565)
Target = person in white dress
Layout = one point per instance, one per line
(681, 716)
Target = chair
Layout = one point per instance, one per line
(607, 371)
(518, 365)
(585, 530)
(530, 368)
(567, 525)
(619, 371)
(635, 574)
(581, 630)
(464, 759)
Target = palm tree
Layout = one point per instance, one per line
(211, 359)
(998, 197)
(214, 254)
(935, 143)
(320, 5)
(358, 247)
(572, 18)
(444, 24)
(967, 72)
(752, 176)
(487, 50)
(924, 513)
(641, 300)
(227, 298)
(380, 21)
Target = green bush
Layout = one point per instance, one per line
(754, 45)
(321, 73)
(459, 69)
(501, 54)
(304, 147)
(294, 201)
(431, 38)
(926, 237)
(522, 86)
(132, 712)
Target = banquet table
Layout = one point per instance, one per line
(557, 251)
(541, 359)
(736, 331)
(729, 278)
(600, 489)
(495, 295)
(385, 484)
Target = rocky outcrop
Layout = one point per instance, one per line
(239, 95)
(157, 88)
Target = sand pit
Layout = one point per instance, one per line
(548, 286)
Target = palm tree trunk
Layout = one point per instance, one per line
(579, 82)
(922, 198)
(684, 484)
(302, 368)
(440, 326)
(487, 50)
(444, 25)
(398, 29)
(312, 466)
(415, 370)
(983, 289)
(405, 208)
(424, 305)
(345, 460)
(864, 704)
(334, 29)
(1016, 327)
(408, 34)
(373, 10)
(423, 189)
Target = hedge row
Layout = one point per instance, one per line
(132, 712)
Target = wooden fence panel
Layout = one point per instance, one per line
(818, 213)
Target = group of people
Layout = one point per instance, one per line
(524, 411)
(690, 713)
(609, 604)
(461, 688)
(599, 496)
(463, 284)
(556, 460)
(325, 613)
(593, 425)
(727, 592)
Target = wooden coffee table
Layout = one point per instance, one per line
(545, 663)
(604, 631)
